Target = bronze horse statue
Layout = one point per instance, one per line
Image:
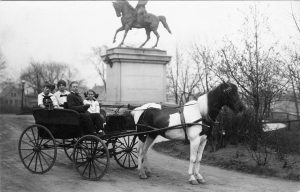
(130, 19)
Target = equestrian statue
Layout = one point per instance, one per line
(138, 17)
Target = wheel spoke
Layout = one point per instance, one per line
(31, 160)
(27, 143)
(90, 167)
(41, 162)
(47, 154)
(36, 158)
(125, 159)
(95, 172)
(129, 159)
(28, 155)
(41, 141)
(132, 159)
(35, 142)
(121, 156)
(85, 168)
(48, 164)
(30, 139)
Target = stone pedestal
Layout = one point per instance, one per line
(135, 76)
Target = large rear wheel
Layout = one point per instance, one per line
(125, 152)
(37, 153)
(91, 157)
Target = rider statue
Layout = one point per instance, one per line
(139, 18)
(141, 13)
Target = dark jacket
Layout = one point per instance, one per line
(75, 102)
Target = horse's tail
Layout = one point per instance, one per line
(163, 20)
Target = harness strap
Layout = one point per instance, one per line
(182, 119)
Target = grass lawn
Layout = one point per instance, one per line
(239, 158)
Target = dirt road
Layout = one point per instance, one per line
(168, 174)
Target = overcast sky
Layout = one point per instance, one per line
(66, 31)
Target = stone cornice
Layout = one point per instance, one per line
(136, 55)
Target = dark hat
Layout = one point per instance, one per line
(61, 82)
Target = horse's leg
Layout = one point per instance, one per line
(199, 177)
(140, 149)
(125, 34)
(143, 168)
(157, 38)
(194, 145)
(148, 37)
(117, 31)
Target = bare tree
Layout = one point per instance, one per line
(39, 72)
(255, 68)
(71, 74)
(98, 63)
(295, 20)
(34, 76)
(184, 78)
(205, 60)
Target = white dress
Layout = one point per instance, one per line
(94, 106)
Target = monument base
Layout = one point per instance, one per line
(135, 76)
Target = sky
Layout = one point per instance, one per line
(66, 31)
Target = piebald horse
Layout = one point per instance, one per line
(206, 107)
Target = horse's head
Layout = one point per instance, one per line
(231, 97)
(118, 8)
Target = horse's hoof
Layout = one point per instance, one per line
(201, 181)
(193, 182)
(148, 173)
(143, 177)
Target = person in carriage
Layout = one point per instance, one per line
(61, 94)
(75, 102)
(46, 99)
(94, 109)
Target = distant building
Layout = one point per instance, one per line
(11, 98)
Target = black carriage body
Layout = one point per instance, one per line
(119, 123)
(62, 123)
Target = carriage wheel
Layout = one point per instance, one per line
(37, 153)
(69, 147)
(125, 152)
(91, 157)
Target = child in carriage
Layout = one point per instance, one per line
(61, 94)
(46, 99)
(94, 109)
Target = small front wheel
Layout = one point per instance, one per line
(125, 152)
(91, 157)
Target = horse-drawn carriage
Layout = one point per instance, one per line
(60, 129)
(90, 154)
